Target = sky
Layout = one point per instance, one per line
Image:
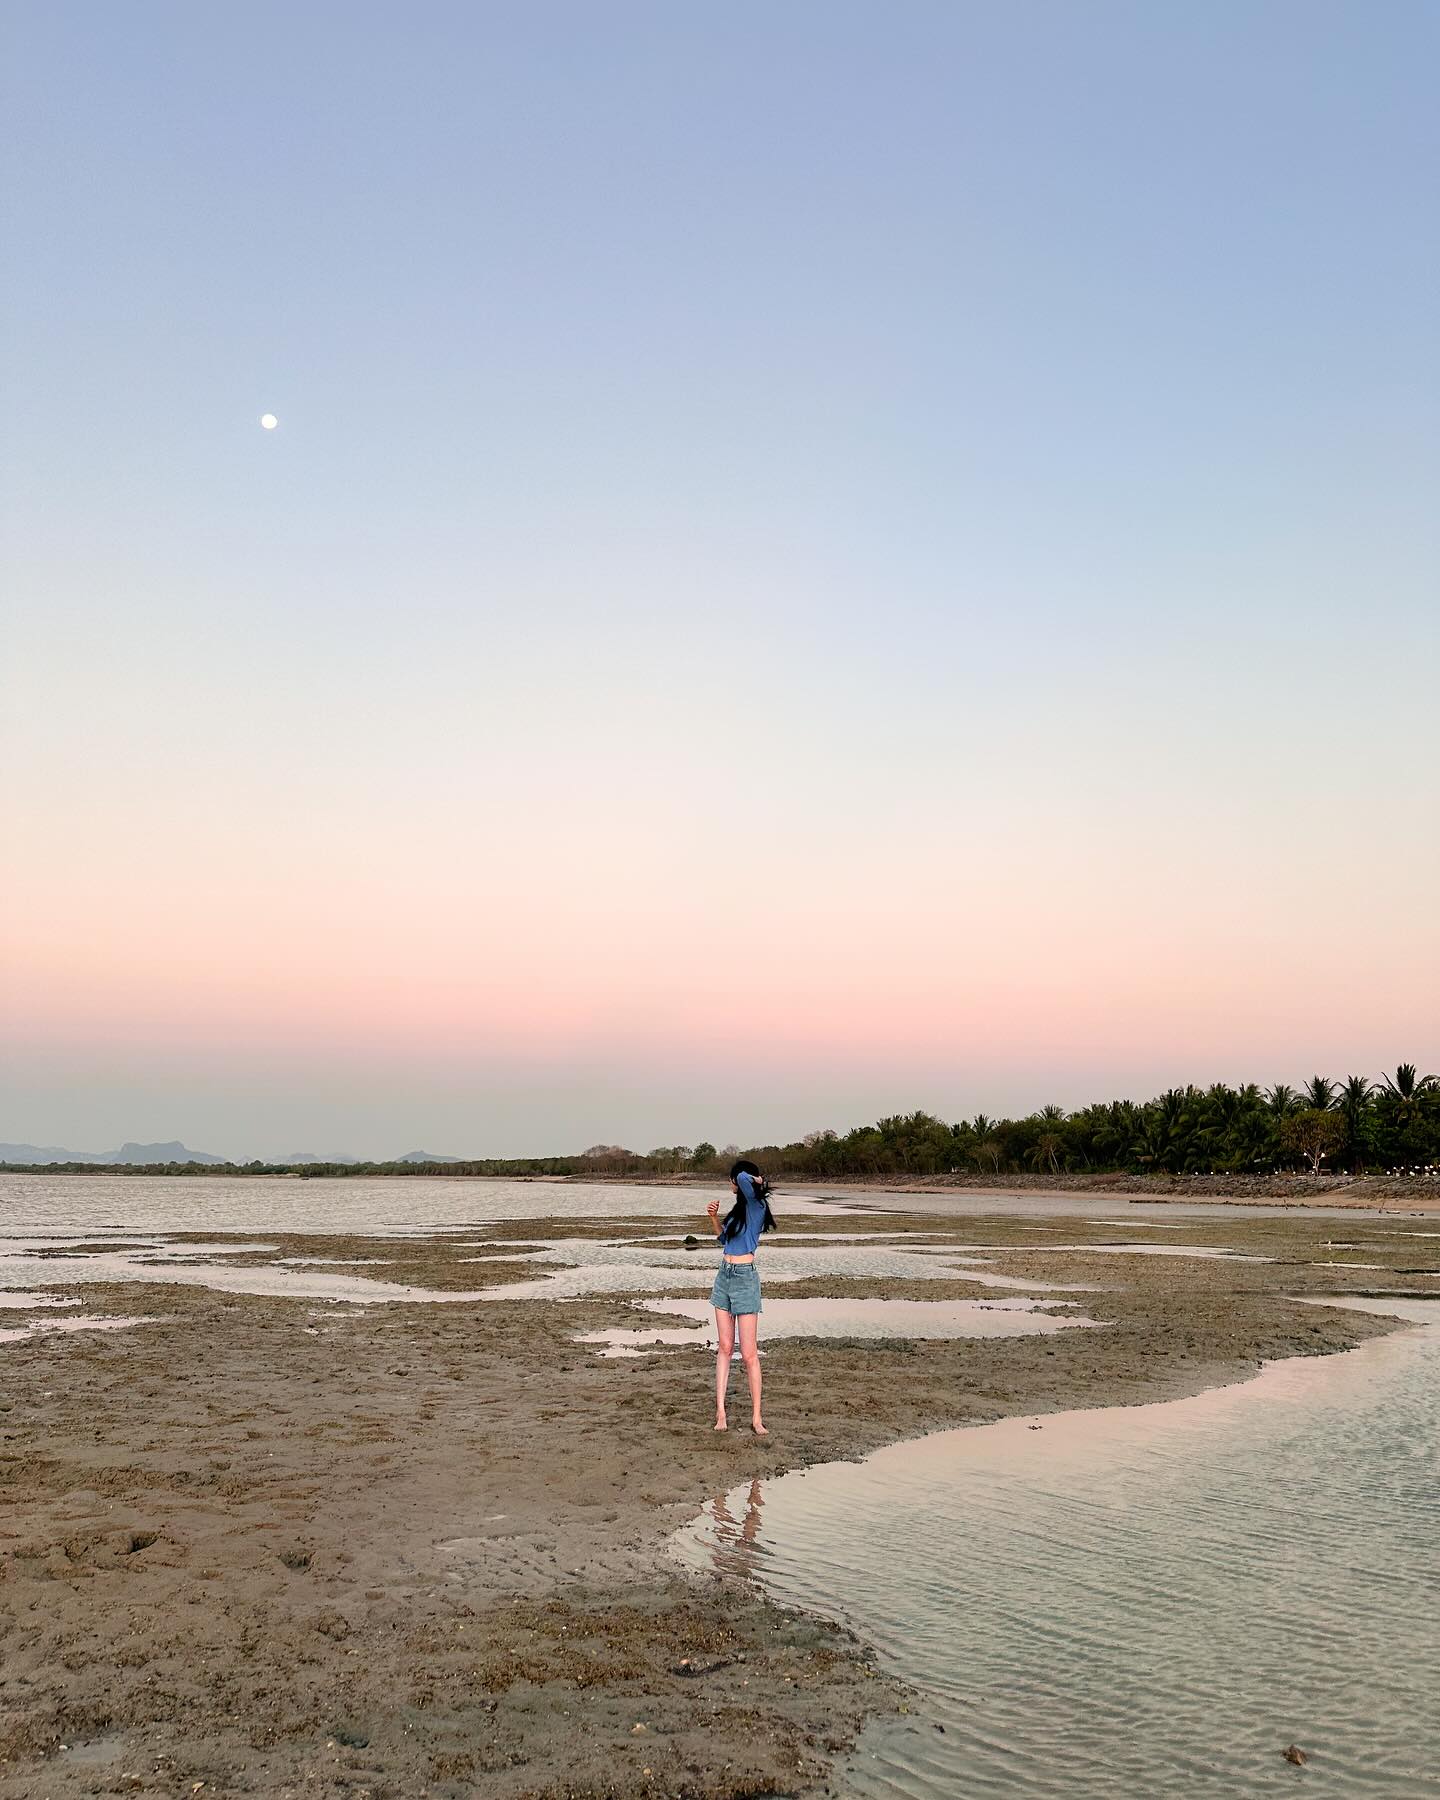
(816, 561)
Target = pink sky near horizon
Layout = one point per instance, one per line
(814, 561)
(768, 1011)
(648, 923)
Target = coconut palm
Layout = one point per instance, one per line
(1407, 1085)
(1105, 1132)
(1254, 1139)
(1319, 1095)
(1046, 1151)
(1353, 1106)
(1222, 1114)
(1167, 1129)
(1282, 1100)
(1408, 1115)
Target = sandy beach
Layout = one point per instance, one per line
(273, 1546)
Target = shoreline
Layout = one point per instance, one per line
(1372, 1192)
(1169, 1495)
(441, 1529)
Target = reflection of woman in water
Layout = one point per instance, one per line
(736, 1293)
(732, 1538)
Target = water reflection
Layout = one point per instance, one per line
(1144, 1602)
(736, 1538)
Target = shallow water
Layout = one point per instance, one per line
(570, 1268)
(1137, 1602)
(1205, 1252)
(182, 1265)
(404, 1203)
(90, 1322)
(426, 1203)
(583, 1267)
(1001, 1203)
(878, 1319)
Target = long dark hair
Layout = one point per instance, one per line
(735, 1218)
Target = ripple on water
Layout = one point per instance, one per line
(1133, 1603)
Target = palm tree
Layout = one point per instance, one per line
(1222, 1110)
(1105, 1132)
(1319, 1094)
(1353, 1105)
(1282, 1100)
(1407, 1085)
(1254, 1139)
(1047, 1150)
(1403, 1105)
(1166, 1130)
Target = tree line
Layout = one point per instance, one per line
(1390, 1125)
(1350, 1126)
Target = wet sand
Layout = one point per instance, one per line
(1399, 1193)
(274, 1546)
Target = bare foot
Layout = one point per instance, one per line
(759, 1429)
(720, 1425)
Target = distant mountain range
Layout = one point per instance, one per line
(178, 1153)
(127, 1153)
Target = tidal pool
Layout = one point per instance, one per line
(1206, 1252)
(566, 1268)
(183, 1265)
(1104, 1247)
(1133, 1603)
(90, 1322)
(581, 1267)
(847, 1319)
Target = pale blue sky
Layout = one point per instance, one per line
(1031, 407)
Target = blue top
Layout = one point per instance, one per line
(746, 1237)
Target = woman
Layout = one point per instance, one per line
(736, 1293)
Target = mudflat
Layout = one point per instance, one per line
(281, 1547)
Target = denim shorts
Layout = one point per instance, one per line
(736, 1289)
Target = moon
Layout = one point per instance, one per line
(269, 421)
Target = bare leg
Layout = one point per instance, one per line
(750, 1353)
(725, 1334)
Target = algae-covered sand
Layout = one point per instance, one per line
(271, 1546)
